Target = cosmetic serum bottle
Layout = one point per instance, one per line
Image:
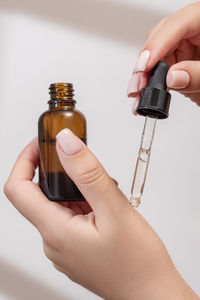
(153, 104)
(53, 180)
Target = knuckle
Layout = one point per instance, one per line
(11, 189)
(47, 253)
(50, 252)
(8, 188)
(53, 242)
(58, 267)
(92, 174)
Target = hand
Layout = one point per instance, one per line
(176, 40)
(103, 243)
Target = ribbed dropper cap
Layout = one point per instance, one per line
(155, 99)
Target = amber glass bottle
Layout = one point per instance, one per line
(53, 180)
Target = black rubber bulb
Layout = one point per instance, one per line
(158, 76)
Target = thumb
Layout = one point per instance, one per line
(184, 76)
(88, 174)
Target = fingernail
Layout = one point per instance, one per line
(135, 105)
(69, 142)
(178, 79)
(133, 84)
(142, 61)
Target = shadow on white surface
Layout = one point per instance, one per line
(124, 23)
(18, 285)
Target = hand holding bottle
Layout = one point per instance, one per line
(103, 244)
(176, 40)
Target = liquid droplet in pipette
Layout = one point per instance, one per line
(142, 162)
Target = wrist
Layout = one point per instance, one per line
(166, 286)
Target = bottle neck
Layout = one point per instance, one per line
(61, 96)
(64, 105)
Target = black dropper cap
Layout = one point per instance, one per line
(155, 99)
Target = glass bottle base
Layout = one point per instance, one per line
(57, 186)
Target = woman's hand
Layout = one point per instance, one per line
(103, 243)
(176, 40)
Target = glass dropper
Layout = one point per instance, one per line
(154, 104)
(142, 161)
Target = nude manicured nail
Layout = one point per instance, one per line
(133, 85)
(135, 105)
(69, 142)
(142, 61)
(178, 79)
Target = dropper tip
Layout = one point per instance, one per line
(135, 202)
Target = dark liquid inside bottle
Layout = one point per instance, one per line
(53, 180)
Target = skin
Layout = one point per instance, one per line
(176, 40)
(104, 244)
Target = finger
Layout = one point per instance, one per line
(24, 168)
(183, 24)
(26, 195)
(154, 30)
(89, 175)
(139, 80)
(184, 77)
(136, 85)
(135, 105)
(133, 85)
(185, 51)
(136, 82)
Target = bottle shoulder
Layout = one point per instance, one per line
(80, 114)
(52, 121)
(60, 114)
(41, 117)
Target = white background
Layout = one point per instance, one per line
(93, 44)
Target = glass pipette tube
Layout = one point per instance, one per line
(142, 161)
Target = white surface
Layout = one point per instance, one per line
(93, 44)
